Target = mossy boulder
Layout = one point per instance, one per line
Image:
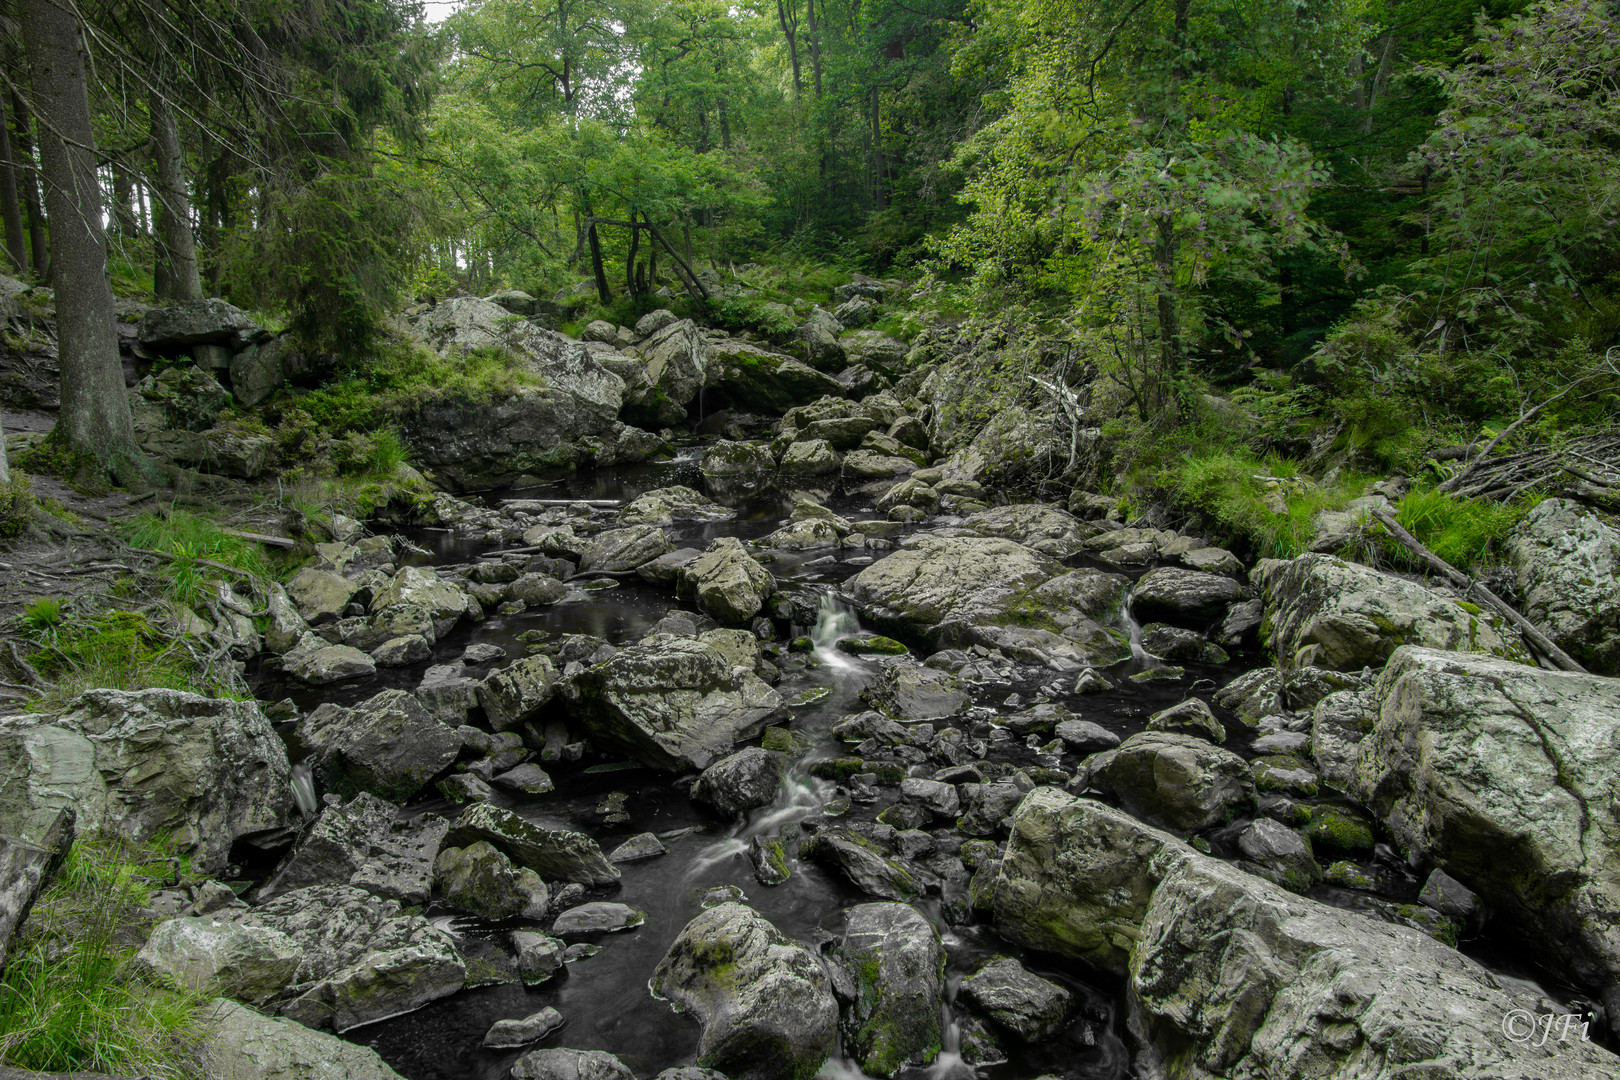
(894, 962)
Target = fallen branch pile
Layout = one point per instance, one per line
(1587, 468)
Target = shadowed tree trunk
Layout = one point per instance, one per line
(175, 246)
(10, 209)
(94, 421)
(28, 182)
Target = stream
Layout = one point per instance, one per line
(604, 997)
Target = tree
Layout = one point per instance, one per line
(94, 419)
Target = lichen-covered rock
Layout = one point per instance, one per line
(510, 1034)
(560, 1064)
(747, 377)
(669, 505)
(445, 600)
(1502, 774)
(819, 336)
(1180, 781)
(363, 959)
(914, 692)
(895, 960)
(673, 703)
(1568, 564)
(241, 1044)
(210, 321)
(388, 745)
(316, 661)
(480, 879)
(959, 591)
(764, 1001)
(1029, 1006)
(238, 959)
(202, 771)
(1182, 597)
(869, 866)
(619, 550)
(738, 464)
(364, 843)
(674, 360)
(1278, 853)
(740, 782)
(552, 853)
(1191, 717)
(1244, 979)
(597, 917)
(320, 595)
(728, 582)
(810, 457)
(1037, 526)
(1326, 612)
(517, 693)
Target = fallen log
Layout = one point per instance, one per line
(1534, 638)
(260, 538)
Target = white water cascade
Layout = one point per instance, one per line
(834, 620)
(1127, 622)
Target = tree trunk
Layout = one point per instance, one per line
(1164, 261)
(880, 198)
(790, 30)
(630, 259)
(815, 46)
(175, 247)
(602, 291)
(94, 419)
(10, 209)
(28, 180)
(123, 213)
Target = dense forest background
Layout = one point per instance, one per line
(1394, 221)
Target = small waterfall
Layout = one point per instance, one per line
(834, 620)
(303, 789)
(1127, 621)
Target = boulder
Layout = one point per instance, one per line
(740, 782)
(1029, 1006)
(201, 771)
(320, 595)
(764, 1001)
(1182, 597)
(480, 879)
(727, 582)
(1568, 563)
(810, 457)
(316, 661)
(818, 334)
(171, 330)
(364, 843)
(363, 959)
(241, 1044)
(209, 955)
(1191, 717)
(557, 1064)
(752, 379)
(1499, 774)
(510, 1034)
(1037, 526)
(176, 399)
(552, 853)
(669, 505)
(517, 693)
(221, 451)
(961, 591)
(260, 370)
(599, 917)
(738, 464)
(537, 590)
(674, 359)
(620, 550)
(914, 692)
(1278, 853)
(869, 866)
(654, 321)
(673, 703)
(896, 962)
(388, 745)
(475, 443)
(1329, 613)
(421, 587)
(599, 330)
(1180, 781)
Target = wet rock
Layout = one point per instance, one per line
(202, 771)
(320, 595)
(962, 591)
(863, 465)
(363, 843)
(1084, 737)
(517, 693)
(1212, 560)
(553, 854)
(727, 582)
(526, 779)
(217, 956)
(388, 745)
(416, 586)
(641, 846)
(480, 879)
(1172, 642)
(764, 1002)
(769, 856)
(986, 807)
(673, 703)
(570, 1065)
(619, 550)
(896, 962)
(740, 782)
(245, 1045)
(1029, 1006)
(363, 959)
(1253, 695)
(402, 651)
(1451, 898)
(738, 463)
(447, 693)
(1493, 771)
(1182, 597)
(869, 866)
(939, 799)
(537, 590)
(1329, 613)
(1279, 854)
(511, 1034)
(537, 956)
(1178, 780)
(1191, 717)
(1568, 563)
(318, 662)
(596, 918)
(914, 692)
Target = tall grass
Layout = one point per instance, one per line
(1223, 486)
(117, 650)
(192, 538)
(1467, 533)
(68, 1001)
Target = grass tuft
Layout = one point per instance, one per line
(192, 538)
(1467, 533)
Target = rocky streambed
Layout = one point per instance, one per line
(759, 762)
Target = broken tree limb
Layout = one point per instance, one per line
(211, 564)
(1533, 637)
(260, 538)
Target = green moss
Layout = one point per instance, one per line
(841, 768)
(874, 645)
(1333, 829)
(16, 507)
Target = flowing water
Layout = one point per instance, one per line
(605, 997)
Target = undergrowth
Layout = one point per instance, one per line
(1467, 533)
(117, 650)
(192, 538)
(68, 1000)
(1228, 488)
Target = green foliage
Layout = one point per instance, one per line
(69, 1001)
(194, 540)
(1241, 508)
(1467, 533)
(119, 650)
(16, 507)
(43, 614)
